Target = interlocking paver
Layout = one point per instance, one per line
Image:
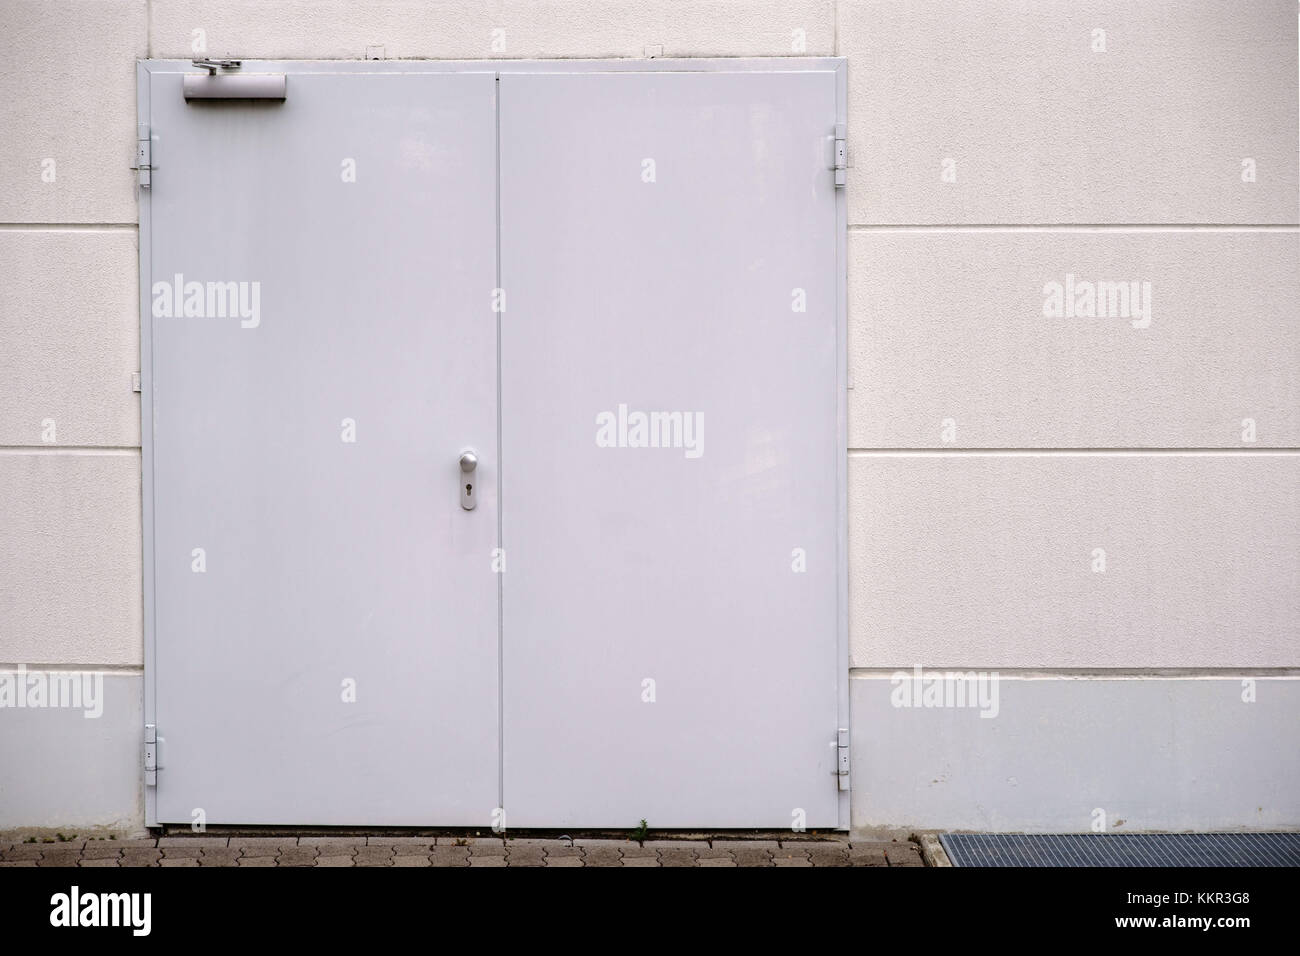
(412, 849)
(716, 852)
(562, 851)
(749, 852)
(677, 856)
(257, 861)
(821, 852)
(24, 863)
(717, 861)
(480, 851)
(171, 842)
(904, 854)
(219, 856)
(789, 853)
(140, 857)
(22, 851)
(263, 846)
(636, 854)
(374, 856)
(60, 856)
(449, 856)
(96, 850)
(867, 856)
(636, 851)
(525, 853)
(677, 852)
(349, 850)
(179, 852)
(297, 856)
(829, 856)
(334, 860)
(179, 861)
(331, 841)
(487, 860)
(100, 862)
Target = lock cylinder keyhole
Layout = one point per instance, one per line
(468, 463)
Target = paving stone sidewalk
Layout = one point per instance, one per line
(302, 851)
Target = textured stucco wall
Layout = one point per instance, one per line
(994, 149)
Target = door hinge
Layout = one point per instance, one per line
(842, 751)
(144, 156)
(150, 755)
(135, 381)
(841, 166)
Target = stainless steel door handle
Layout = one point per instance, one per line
(468, 463)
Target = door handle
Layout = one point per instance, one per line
(468, 464)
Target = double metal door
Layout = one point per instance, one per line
(494, 445)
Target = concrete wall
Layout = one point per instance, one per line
(995, 148)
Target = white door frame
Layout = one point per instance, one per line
(838, 65)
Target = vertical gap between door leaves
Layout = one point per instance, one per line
(501, 726)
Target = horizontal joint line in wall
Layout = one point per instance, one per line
(1036, 452)
(66, 226)
(69, 449)
(1074, 227)
(1084, 673)
(853, 227)
(125, 670)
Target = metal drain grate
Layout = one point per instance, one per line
(1122, 849)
